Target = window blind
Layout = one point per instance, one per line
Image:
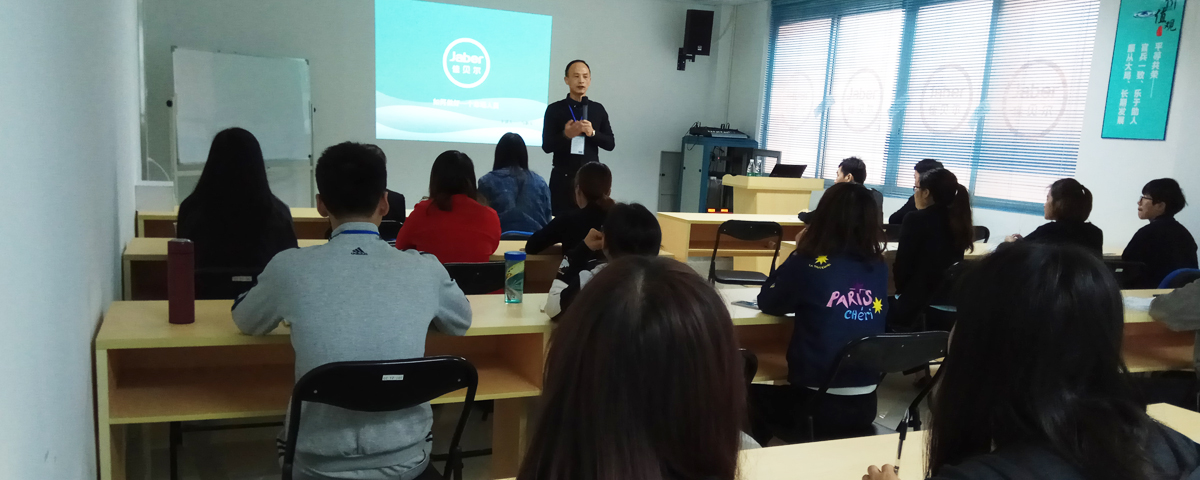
(994, 89)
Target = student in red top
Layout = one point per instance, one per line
(451, 223)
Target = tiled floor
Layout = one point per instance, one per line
(249, 454)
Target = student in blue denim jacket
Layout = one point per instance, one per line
(520, 196)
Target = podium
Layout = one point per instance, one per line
(771, 195)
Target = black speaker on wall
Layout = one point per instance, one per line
(697, 36)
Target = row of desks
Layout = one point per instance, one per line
(149, 371)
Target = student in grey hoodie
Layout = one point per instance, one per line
(352, 299)
(1034, 386)
(1180, 311)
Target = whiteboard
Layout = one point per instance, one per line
(270, 97)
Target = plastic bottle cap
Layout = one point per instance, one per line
(514, 256)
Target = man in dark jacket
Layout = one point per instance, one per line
(574, 130)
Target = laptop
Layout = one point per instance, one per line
(788, 171)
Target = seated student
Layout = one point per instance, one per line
(629, 229)
(1180, 311)
(396, 210)
(834, 282)
(520, 196)
(643, 381)
(1034, 386)
(932, 239)
(1068, 205)
(342, 303)
(1164, 245)
(231, 216)
(911, 205)
(852, 170)
(593, 184)
(452, 224)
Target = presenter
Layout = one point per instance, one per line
(574, 130)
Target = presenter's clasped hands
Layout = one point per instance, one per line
(574, 129)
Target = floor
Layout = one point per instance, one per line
(249, 454)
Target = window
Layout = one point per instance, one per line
(994, 89)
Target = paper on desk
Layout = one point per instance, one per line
(1138, 303)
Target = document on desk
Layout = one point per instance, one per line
(1138, 303)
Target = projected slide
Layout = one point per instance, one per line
(450, 73)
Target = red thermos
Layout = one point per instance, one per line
(181, 281)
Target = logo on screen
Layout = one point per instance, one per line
(466, 63)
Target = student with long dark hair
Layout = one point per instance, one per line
(932, 239)
(520, 196)
(452, 224)
(643, 381)
(835, 282)
(1068, 205)
(1164, 245)
(911, 205)
(396, 210)
(232, 216)
(593, 185)
(1034, 386)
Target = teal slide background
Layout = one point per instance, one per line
(414, 98)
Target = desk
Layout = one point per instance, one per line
(694, 235)
(307, 222)
(771, 195)
(1148, 346)
(149, 371)
(144, 266)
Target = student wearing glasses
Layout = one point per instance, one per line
(1164, 245)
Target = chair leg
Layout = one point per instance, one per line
(175, 439)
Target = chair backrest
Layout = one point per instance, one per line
(1128, 274)
(749, 232)
(515, 235)
(381, 386)
(224, 283)
(389, 229)
(749, 365)
(889, 353)
(1180, 278)
(477, 278)
(982, 234)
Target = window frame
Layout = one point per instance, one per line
(896, 112)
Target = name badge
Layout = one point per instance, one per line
(577, 145)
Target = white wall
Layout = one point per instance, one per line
(630, 44)
(69, 73)
(1115, 170)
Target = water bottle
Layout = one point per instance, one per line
(181, 281)
(514, 276)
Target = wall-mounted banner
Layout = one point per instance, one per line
(1143, 69)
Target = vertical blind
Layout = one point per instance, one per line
(994, 89)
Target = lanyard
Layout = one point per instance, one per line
(572, 110)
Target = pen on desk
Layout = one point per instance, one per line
(900, 448)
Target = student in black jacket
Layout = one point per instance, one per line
(932, 239)
(232, 216)
(835, 282)
(1034, 386)
(629, 229)
(852, 170)
(1164, 245)
(593, 184)
(1068, 205)
(911, 205)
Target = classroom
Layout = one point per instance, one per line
(617, 239)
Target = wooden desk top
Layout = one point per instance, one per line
(1140, 316)
(773, 183)
(719, 218)
(142, 249)
(143, 324)
(303, 214)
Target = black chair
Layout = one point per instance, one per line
(389, 229)
(891, 232)
(477, 278)
(884, 353)
(515, 235)
(384, 386)
(749, 365)
(1180, 278)
(1128, 274)
(748, 232)
(982, 234)
(224, 283)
